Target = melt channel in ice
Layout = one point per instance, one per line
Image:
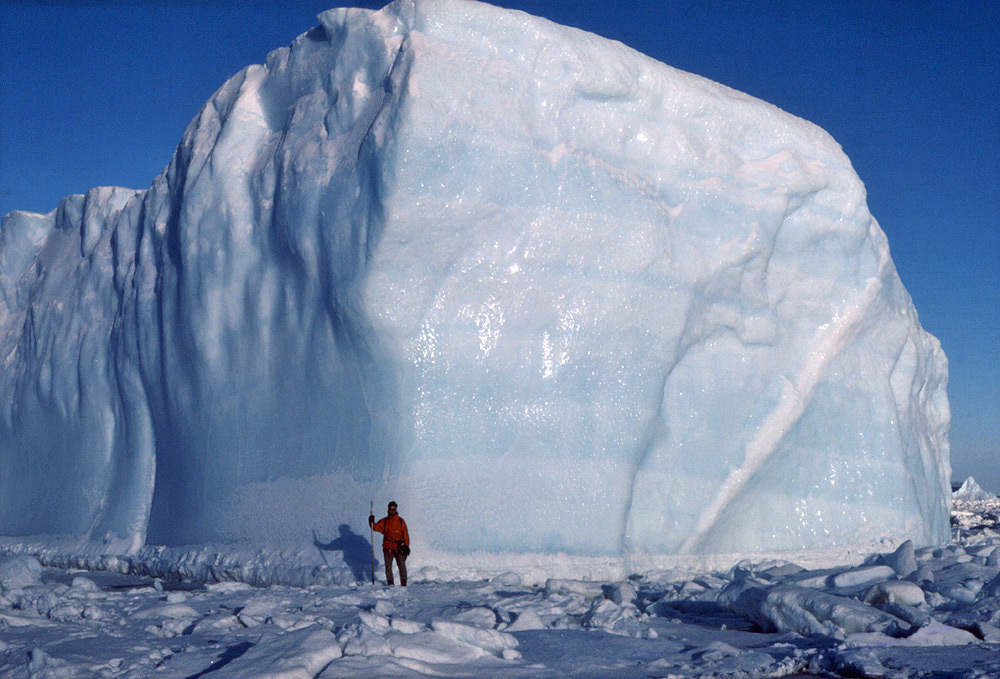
(549, 294)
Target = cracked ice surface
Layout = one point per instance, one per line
(549, 294)
(914, 612)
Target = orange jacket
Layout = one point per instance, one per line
(393, 530)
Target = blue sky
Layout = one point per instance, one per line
(99, 93)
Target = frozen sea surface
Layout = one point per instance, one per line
(909, 613)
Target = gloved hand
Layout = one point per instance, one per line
(371, 518)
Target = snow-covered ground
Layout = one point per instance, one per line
(914, 612)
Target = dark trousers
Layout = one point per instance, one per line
(388, 555)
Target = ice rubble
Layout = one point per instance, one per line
(754, 620)
(549, 294)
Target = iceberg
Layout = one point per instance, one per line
(970, 491)
(549, 294)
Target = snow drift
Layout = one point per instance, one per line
(547, 293)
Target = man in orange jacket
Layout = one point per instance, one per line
(395, 542)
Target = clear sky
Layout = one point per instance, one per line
(99, 93)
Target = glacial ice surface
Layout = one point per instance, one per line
(549, 294)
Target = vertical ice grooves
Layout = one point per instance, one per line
(655, 431)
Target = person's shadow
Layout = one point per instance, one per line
(356, 549)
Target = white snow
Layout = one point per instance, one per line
(19, 571)
(895, 591)
(299, 654)
(556, 298)
(752, 621)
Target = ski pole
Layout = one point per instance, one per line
(371, 512)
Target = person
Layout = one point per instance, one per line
(395, 542)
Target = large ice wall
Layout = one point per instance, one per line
(549, 294)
